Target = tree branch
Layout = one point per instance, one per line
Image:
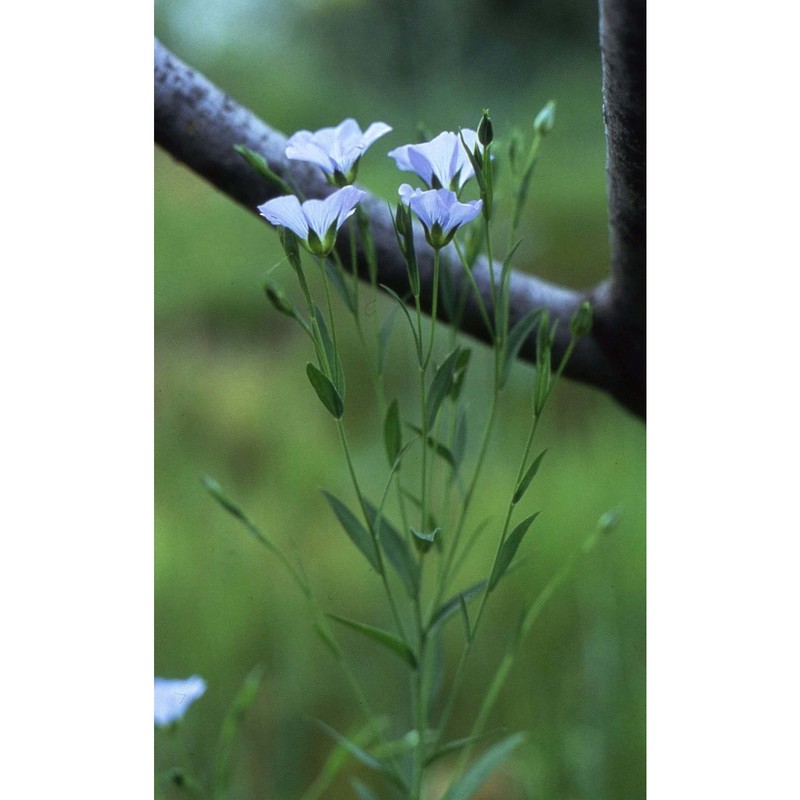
(199, 125)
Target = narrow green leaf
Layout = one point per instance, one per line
(509, 549)
(440, 387)
(465, 617)
(383, 339)
(516, 338)
(449, 607)
(342, 287)
(327, 639)
(460, 372)
(527, 478)
(230, 727)
(260, 165)
(325, 390)
(460, 439)
(392, 436)
(447, 294)
(436, 446)
(388, 640)
(424, 541)
(327, 342)
(397, 551)
(362, 755)
(476, 165)
(431, 520)
(354, 529)
(402, 305)
(218, 493)
(543, 340)
(334, 764)
(475, 776)
(454, 746)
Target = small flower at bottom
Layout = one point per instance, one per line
(315, 222)
(173, 697)
(442, 163)
(440, 212)
(336, 151)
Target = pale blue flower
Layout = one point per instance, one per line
(441, 163)
(335, 150)
(440, 212)
(315, 222)
(173, 697)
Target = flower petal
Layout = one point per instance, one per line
(336, 208)
(373, 133)
(400, 156)
(406, 192)
(286, 211)
(461, 213)
(311, 147)
(334, 149)
(172, 698)
(432, 206)
(444, 158)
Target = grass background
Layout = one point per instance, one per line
(232, 401)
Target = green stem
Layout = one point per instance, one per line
(526, 623)
(456, 686)
(378, 552)
(478, 298)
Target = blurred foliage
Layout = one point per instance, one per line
(232, 401)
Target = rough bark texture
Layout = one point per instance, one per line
(199, 125)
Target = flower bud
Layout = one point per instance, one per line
(278, 298)
(581, 322)
(485, 130)
(545, 119)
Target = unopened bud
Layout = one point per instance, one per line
(485, 130)
(581, 322)
(545, 119)
(278, 299)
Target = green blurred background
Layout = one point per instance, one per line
(232, 401)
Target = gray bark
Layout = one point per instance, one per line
(198, 124)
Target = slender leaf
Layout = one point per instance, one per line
(391, 292)
(527, 478)
(436, 446)
(362, 755)
(334, 764)
(326, 391)
(392, 436)
(395, 644)
(516, 338)
(424, 541)
(343, 288)
(327, 342)
(509, 549)
(454, 746)
(449, 607)
(440, 387)
(465, 617)
(475, 776)
(397, 551)
(230, 727)
(460, 439)
(354, 529)
(431, 519)
(460, 372)
(383, 339)
(260, 165)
